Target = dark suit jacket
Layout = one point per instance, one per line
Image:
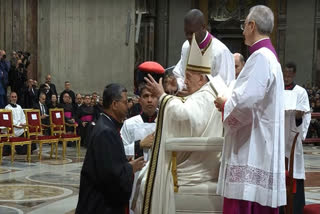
(46, 120)
(106, 180)
(53, 89)
(30, 97)
(48, 93)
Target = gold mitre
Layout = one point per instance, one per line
(198, 60)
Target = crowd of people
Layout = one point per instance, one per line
(314, 100)
(26, 93)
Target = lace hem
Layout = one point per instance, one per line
(252, 175)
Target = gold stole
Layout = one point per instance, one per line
(147, 201)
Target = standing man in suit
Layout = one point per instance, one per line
(107, 176)
(30, 94)
(48, 88)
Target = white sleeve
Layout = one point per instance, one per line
(22, 117)
(223, 64)
(128, 143)
(248, 91)
(179, 70)
(303, 104)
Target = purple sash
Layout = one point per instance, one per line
(68, 114)
(86, 118)
(265, 43)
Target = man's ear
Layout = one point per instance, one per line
(202, 77)
(113, 105)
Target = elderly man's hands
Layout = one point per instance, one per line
(147, 141)
(219, 102)
(155, 88)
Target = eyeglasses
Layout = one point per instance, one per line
(243, 25)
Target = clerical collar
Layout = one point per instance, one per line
(206, 41)
(290, 86)
(114, 121)
(263, 43)
(13, 105)
(148, 119)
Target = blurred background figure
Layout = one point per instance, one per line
(238, 63)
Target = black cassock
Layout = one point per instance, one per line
(106, 176)
(84, 131)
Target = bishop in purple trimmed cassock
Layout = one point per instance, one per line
(252, 172)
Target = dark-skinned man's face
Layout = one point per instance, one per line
(190, 28)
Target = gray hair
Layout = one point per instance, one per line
(240, 57)
(112, 92)
(263, 17)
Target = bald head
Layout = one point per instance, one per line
(194, 22)
(195, 16)
(48, 78)
(238, 62)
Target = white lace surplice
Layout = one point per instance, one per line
(252, 166)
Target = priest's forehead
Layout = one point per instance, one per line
(193, 73)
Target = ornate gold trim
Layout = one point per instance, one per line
(199, 69)
(174, 171)
(147, 201)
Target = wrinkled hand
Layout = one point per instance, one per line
(137, 164)
(299, 114)
(147, 141)
(219, 102)
(155, 88)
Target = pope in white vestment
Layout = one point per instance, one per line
(192, 116)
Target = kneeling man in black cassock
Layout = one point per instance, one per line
(107, 176)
